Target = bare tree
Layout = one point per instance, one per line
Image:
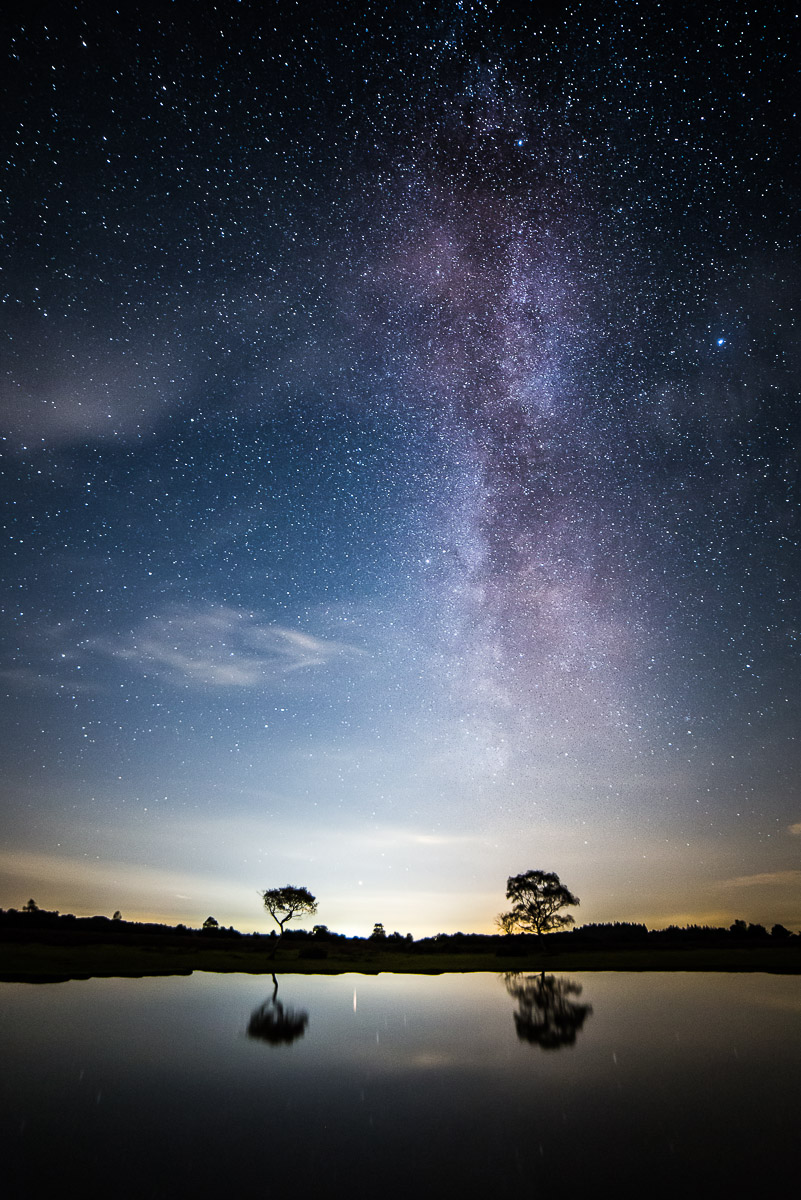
(537, 898)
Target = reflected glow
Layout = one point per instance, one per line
(428, 1078)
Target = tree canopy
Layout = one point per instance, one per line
(284, 903)
(537, 898)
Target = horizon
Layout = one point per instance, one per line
(308, 930)
(400, 462)
(248, 923)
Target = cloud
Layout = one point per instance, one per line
(49, 657)
(30, 679)
(83, 883)
(790, 878)
(67, 388)
(205, 646)
(795, 829)
(222, 647)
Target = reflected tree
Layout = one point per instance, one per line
(546, 1015)
(272, 1022)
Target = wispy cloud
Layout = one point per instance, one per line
(788, 878)
(79, 883)
(201, 646)
(30, 679)
(68, 389)
(222, 647)
(51, 656)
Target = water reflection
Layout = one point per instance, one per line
(678, 1085)
(546, 1016)
(273, 1023)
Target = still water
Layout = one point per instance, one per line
(446, 1085)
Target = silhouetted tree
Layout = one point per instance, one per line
(273, 1023)
(116, 916)
(31, 906)
(537, 897)
(779, 931)
(379, 932)
(546, 1016)
(286, 902)
(211, 923)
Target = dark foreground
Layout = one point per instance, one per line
(36, 945)
(41, 962)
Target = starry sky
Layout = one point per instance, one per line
(400, 459)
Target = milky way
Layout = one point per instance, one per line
(400, 459)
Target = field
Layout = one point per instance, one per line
(42, 962)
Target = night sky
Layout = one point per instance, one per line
(400, 459)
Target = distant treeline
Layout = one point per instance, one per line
(43, 926)
(617, 935)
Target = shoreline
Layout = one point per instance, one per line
(43, 962)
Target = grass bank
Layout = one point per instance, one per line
(36, 962)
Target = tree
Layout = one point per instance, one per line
(211, 923)
(116, 916)
(537, 897)
(286, 902)
(31, 906)
(379, 932)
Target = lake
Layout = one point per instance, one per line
(399, 1084)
